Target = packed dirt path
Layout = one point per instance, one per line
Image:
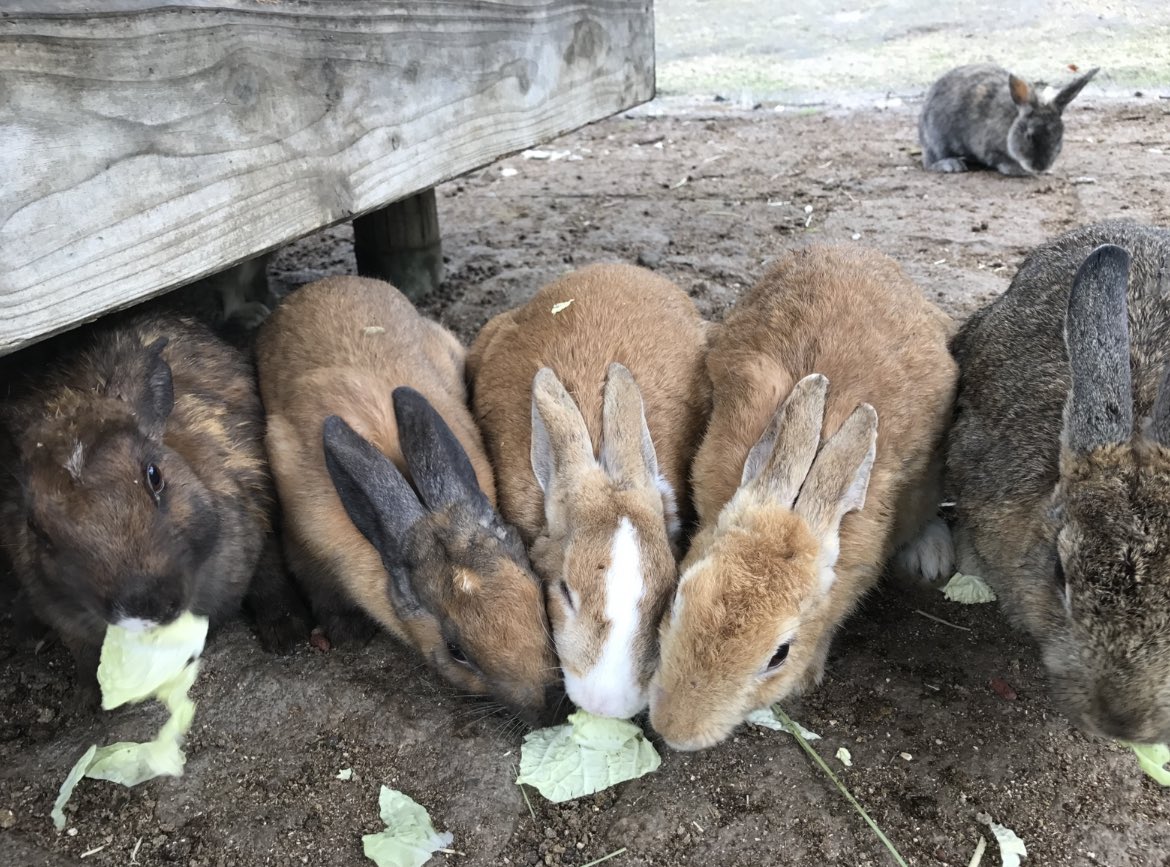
(707, 197)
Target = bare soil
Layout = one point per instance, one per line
(708, 198)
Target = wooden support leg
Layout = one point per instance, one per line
(401, 243)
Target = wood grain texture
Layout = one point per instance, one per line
(143, 146)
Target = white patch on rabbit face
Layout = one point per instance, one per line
(669, 506)
(136, 624)
(610, 687)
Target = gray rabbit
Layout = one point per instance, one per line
(982, 115)
(1059, 460)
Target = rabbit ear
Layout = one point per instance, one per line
(1069, 92)
(560, 440)
(439, 466)
(1099, 409)
(148, 388)
(839, 477)
(1160, 418)
(627, 452)
(377, 498)
(782, 456)
(1021, 91)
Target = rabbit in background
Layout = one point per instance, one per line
(982, 115)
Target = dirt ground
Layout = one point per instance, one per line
(706, 197)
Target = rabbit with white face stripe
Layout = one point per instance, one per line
(591, 461)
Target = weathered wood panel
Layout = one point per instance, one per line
(143, 146)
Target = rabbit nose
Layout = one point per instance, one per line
(144, 603)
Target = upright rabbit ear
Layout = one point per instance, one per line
(439, 466)
(148, 387)
(377, 498)
(560, 440)
(782, 456)
(1099, 409)
(1021, 91)
(627, 452)
(1070, 91)
(839, 478)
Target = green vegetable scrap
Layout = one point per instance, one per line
(409, 839)
(158, 663)
(968, 589)
(589, 754)
(1155, 761)
(561, 306)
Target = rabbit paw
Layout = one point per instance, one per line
(931, 556)
(950, 164)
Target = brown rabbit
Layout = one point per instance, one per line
(142, 486)
(360, 390)
(779, 562)
(594, 477)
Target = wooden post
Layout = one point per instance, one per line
(401, 243)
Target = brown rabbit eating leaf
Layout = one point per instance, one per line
(833, 343)
(141, 486)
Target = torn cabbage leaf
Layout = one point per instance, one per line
(765, 717)
(156, 663)
(844, 756)
(561, 306)
(409, 839)
(589, 754)
(968, 589)
(1154, 759)
(1011, 847)
(137, 665)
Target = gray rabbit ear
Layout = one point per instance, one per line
(1020, 90)
(439, 467)
(1070, 91)
(378, 500)
(1099, 409)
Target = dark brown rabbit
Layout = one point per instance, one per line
(140, 487)
(1059, 460)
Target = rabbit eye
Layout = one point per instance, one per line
(154, 480)
(457, 653)
(568, 594)
(778, 657)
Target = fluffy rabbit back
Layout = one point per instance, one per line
(1060, 475)
(143, 486)
(387, 494)
(842, 319)
(983, 115)
(591, 415)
